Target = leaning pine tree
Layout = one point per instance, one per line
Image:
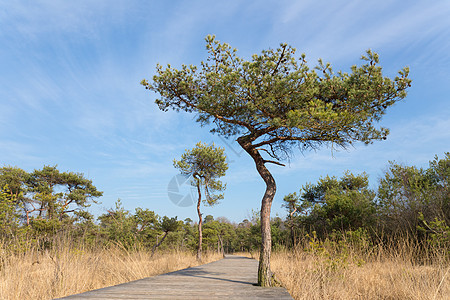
(275, 102)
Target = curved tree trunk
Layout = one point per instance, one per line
(159, 243)
(200, 235)
(265, 276)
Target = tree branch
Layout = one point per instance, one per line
(215, 115)
(279, 61)
(267, 151)
(274, 162)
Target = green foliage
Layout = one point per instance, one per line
(170, 224)
(84, 229)
(43, 227)
(294, 206)
(145, 220)
(188, 236)
(279, 233)
(15, 178)
(219, 236)
(55, 193)
(167, 225)
(291, 203)
(335, 250)
(439, 176)
(209, 218)
(118, 225)
(211, 234)
(339, 204)
(340, 217)
(406, 191)
(334, 261)
(145, 225)
(244, 237)
(44, 203)
(144, 228)
(277, 97)
(411, 206)
(9, 216)
(438, 234)
(205, 164)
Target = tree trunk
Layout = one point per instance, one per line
(221, 246)
(291, 226)
(265, 276)
(200, 235)
(159, 243)
(292, 235)
(28, 217)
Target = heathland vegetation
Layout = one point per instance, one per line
(339, 239)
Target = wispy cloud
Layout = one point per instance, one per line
(31, 19)
(70, 93)
(337, 30)
(18, 154)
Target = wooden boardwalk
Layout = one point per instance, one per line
(233, 277)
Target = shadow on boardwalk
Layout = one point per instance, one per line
(233, 277)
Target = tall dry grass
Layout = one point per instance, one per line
(66, 270)
(318, 271)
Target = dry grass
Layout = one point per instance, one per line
(308, 272)
(66, 270)
(379, 274)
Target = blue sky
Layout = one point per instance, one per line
(70, 92)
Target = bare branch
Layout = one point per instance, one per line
(267, 151)
(274, 162)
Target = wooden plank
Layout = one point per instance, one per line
(233, 277)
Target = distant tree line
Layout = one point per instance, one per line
(408, 203)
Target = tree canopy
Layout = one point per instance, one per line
(205, 164)
(275, 100)
(48, 193)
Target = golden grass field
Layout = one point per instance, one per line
(66, 271)
(311, 272)
(378, 274)
(311, 278)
